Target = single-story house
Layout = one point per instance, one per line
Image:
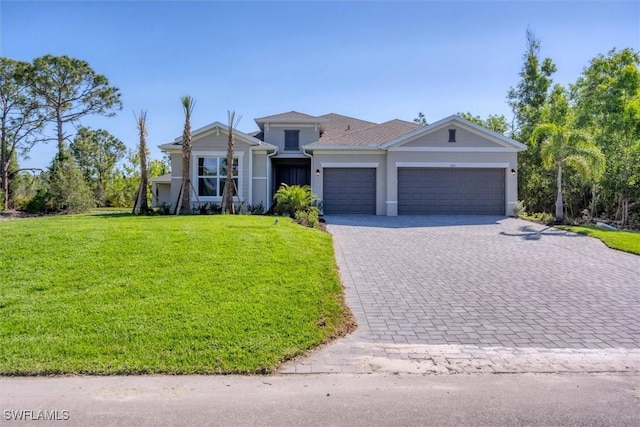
(354, 166)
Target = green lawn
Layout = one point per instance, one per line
(119, 294)
(627, 241)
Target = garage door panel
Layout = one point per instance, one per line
(349, 190)
(445, 191)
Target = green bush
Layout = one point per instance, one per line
(518, 209)
(257, 209)
(540, 217)
(68, 190)
(308, 218)
(293, 198)
(38, 203)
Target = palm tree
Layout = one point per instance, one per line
(141, 204)
(563, 144)
(184, 195)
(230, 184)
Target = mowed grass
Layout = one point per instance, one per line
(627, 241)
(121, 294)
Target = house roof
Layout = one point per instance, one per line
(369, 136)
(338, 125)
(290, 117)
(166, 178)
(470, 126)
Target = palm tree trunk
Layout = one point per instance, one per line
(185, 203)
(559, 207)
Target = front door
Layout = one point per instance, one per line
(292, 175)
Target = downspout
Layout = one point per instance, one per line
(269, 195)
(251, 176)
(313, 187)
(310, 156)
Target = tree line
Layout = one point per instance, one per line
(583, 140)
(44, 101)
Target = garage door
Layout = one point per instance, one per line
(434, 191)
(349, 190)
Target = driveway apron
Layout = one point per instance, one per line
(480, 294)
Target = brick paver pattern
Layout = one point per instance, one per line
(486, 287)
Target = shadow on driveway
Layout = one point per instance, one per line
(529, 232)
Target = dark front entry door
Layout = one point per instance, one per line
(292, 175)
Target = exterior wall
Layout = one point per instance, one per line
(260, 179)
(440, 138)
(505, 160)
(212, 144)
(275, 135)
(323, 160)
(176, 164)
(161, 194)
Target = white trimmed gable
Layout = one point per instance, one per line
(468, 137)
(213, 136)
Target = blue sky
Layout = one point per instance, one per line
(371, 60)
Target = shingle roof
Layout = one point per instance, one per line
(339, 125)
(290, 115)
(370, 136)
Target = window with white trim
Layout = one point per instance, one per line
(292, 140)
(212, 175)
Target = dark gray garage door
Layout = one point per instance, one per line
(349, 191)
(434, 191)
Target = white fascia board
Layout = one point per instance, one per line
(170, 148)
(460, 165)
(456, 149)
(358, 148)
(329, 165)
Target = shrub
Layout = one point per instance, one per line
(257, 209)
(38, 203)
(308, 218)
(518, 209)
(163, 209)
(68, 190)
(293, 198)
(540, 217)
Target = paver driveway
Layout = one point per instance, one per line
(484, 282)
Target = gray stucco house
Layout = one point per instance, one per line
(354, 166)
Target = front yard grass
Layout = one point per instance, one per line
(122, 294)
(627, 241)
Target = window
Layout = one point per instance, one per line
(452, 135)
(212, 175)
(292, 140)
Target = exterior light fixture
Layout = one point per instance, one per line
(317, 172)
(513, 172)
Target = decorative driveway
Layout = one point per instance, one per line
(531, 298)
